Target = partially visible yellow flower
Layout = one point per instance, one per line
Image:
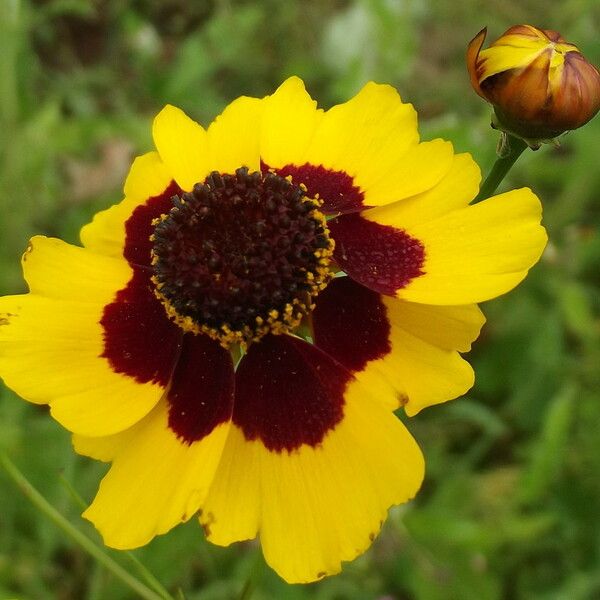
(539, 84)
(200, 342)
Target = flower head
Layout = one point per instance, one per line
(235, 335)
(539, 84)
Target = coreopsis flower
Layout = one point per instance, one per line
(235, 335)
(539, 85)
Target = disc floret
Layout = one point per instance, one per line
(241, 256)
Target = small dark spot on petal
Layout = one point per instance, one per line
(28, 251)
(5, 318)
(210, 519)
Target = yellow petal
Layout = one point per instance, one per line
(147, 177)
(232, 509)
(508, 56)
(373, 138)
(418, 170)
(474, 253)
(46, 333)
(50, 353)
(56, 269)
(289, 121)
(423, 365)
(320, 505)
(234, 136)
(410, 348)
(455, 190)
(385, 259)
(155, 482)
(448, 327)
(182, 145)
(105, 447)
(367, 134)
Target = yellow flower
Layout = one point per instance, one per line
(539, 84)
(235, 335)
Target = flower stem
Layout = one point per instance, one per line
(92, 549)
(144, 572)
(509, 151)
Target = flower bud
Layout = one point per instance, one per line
(539, 84)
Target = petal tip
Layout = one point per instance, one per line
(291, 83)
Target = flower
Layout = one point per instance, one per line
(176, 343)
(539, 84)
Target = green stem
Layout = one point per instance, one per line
(47, 509)
(144, 572)
(510, 150)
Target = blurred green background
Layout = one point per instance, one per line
(511, 504)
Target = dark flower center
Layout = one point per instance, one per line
(241, 256)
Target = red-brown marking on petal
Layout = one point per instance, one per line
(139, 339)
(474, 65)
(139, 228)
(335, 188)
(350, 323)
(288, 393)
(383, 258)
(201, 393)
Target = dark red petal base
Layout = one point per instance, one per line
(335, 188)
(139, 340)
(350, 324)
(201, 392)
(383, 258)
(288, 393)
(139, 228)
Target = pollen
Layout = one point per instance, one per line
(240, 256)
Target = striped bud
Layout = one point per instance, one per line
(539, 85)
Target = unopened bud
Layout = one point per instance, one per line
(539, 85)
